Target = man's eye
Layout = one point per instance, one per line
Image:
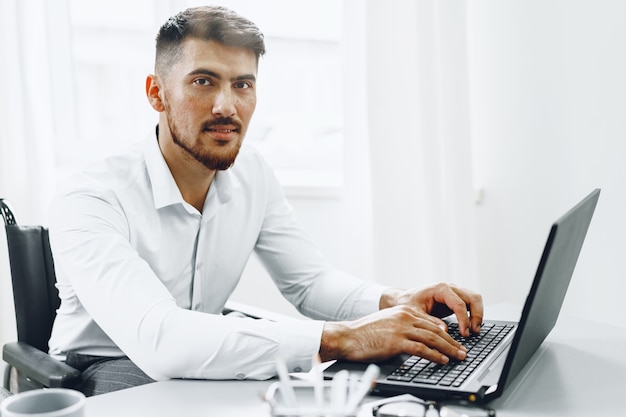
(243, 84)
(202, 81)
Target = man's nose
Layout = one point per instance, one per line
(224, 104)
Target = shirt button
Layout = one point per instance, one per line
(199, 266)
(240, 376)
(297, 369)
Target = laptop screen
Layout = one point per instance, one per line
(547, 293)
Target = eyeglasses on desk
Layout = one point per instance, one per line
(416, 407)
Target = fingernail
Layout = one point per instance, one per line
(462, 354)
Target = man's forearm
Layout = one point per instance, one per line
(333, 337)
(389, 298)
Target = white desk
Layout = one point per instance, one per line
(548, 386)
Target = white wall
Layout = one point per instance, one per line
(548, 103)
(418, 119)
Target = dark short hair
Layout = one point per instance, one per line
(215, 23)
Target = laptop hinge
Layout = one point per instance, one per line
(485, 391)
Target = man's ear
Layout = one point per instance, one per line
(153, 92)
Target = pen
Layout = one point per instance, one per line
(368, 380)
(318, 382)
(353, 383)
(338, 391)
(285, 383)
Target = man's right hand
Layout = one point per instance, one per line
(387, 333)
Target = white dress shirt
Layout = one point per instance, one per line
(144, 274)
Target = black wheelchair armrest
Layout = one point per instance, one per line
(39, 366)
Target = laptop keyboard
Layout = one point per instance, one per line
(454, 373)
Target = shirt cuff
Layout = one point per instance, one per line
(300, 343)
(369, 299)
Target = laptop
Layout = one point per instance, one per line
(492, 364)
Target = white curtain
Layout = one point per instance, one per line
(418, 121)
(26, 126)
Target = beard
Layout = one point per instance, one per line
(216, 159)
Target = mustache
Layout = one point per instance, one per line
(220, 121)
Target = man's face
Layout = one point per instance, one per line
(209, 97)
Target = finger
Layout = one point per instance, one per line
(434, 337)
(474, 304)
(461, 301)
(423, 351)
(435, 346)
(431, 331)
(476, 312)
(420, 315)
(452, 298)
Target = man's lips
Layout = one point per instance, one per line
(222, 133)
(223, 129)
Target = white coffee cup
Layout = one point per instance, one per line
(51, 402)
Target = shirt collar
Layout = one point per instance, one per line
(165, 192)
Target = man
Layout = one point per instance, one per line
(149, 246)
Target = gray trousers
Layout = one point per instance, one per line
(102, 374)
